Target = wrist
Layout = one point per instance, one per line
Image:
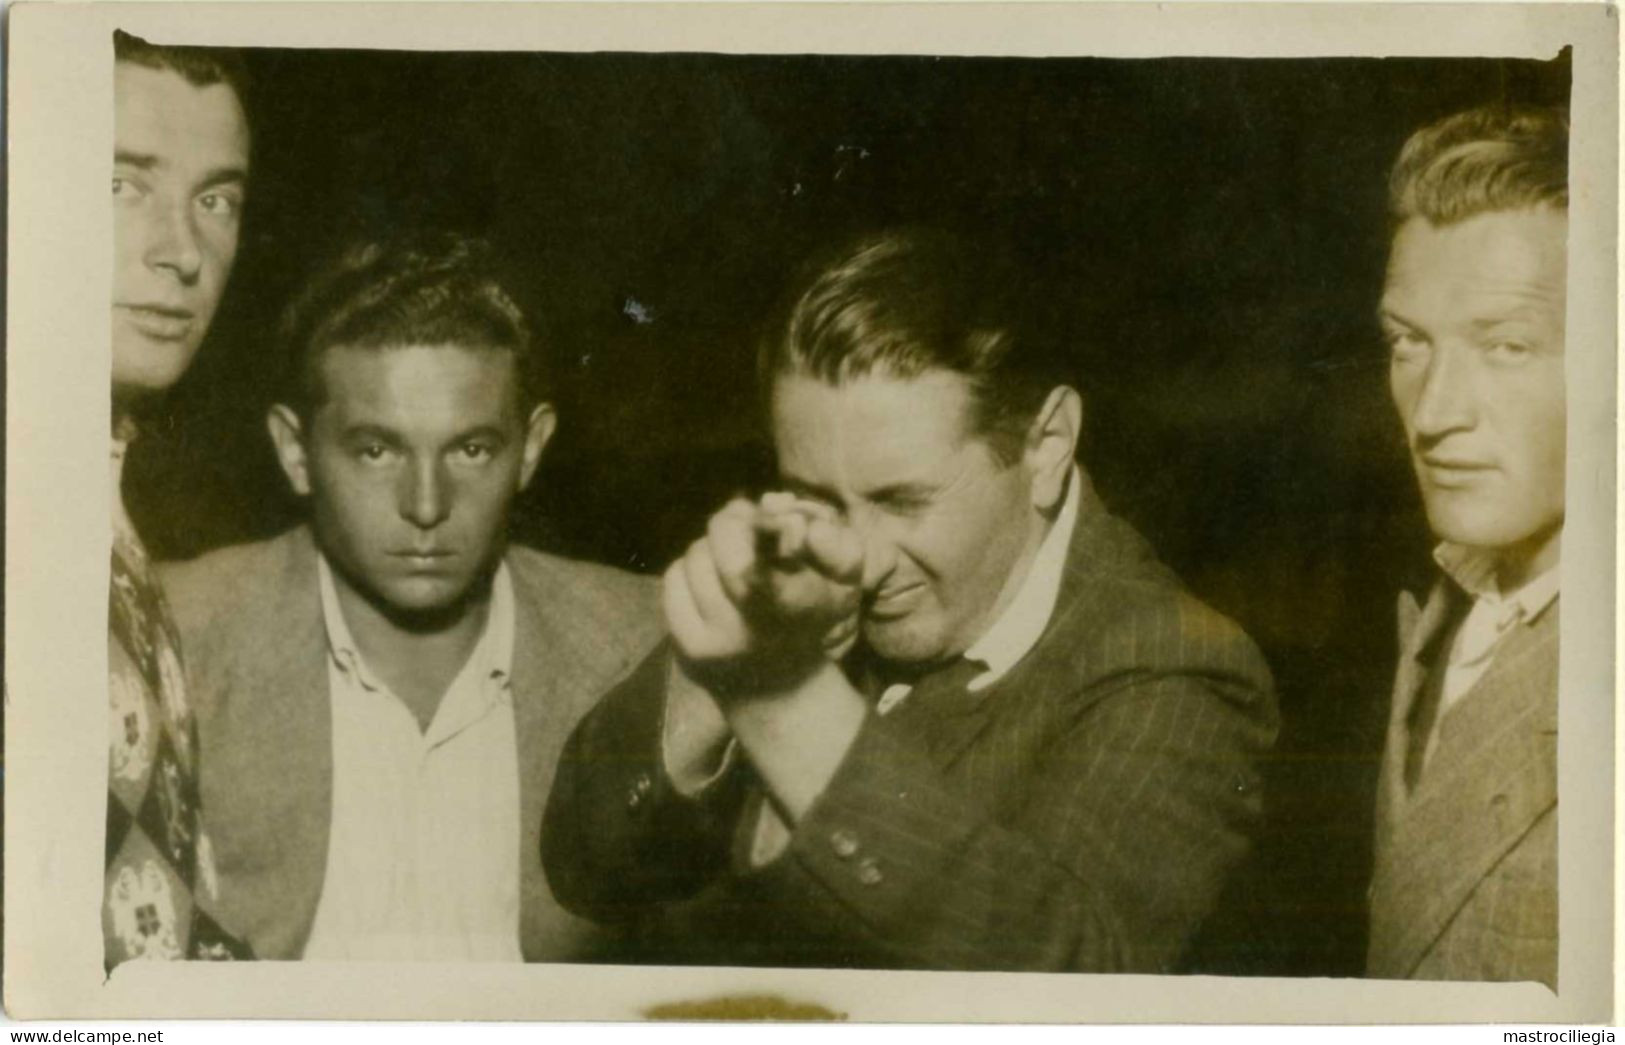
(798, 738)
(762, 675)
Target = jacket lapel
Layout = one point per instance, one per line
(273, 735)
(1491, 775)
(556, 679)
(537, 730)
(947, 715)
(953, 718)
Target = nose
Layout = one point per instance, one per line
(423, 496)
(172, 241)
(1444, 399)
(879, 549)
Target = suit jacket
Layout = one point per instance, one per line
(1081, 813)
(251, 618)
(1465, 884)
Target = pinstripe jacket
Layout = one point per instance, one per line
(1465, 884)
(251, 617)
(1081, 813)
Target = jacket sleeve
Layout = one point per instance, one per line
(617, 837)
(1116, 851)
(1106, 856)
(1103, 849)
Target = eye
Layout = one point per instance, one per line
(1509, 353)
(475, 452)
(1404, 345)
(220, 203)
(372, 452)
(903, 504)
(125, 188)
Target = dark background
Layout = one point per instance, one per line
(1207, 235)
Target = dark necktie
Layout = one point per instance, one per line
(1424, 717)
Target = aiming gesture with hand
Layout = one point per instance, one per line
(768, 595)
(760, 610)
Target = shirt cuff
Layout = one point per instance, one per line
(696, 748)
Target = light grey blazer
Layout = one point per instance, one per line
(256, 656)
(1465, 883)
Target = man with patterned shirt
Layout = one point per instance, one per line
(180, 161)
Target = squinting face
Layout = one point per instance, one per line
(1473, 313)
(180, 156)
(944, 523)
(411, 462)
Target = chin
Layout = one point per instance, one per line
(897, 641)
(417, 601)
(1481, 528)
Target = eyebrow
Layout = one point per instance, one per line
(1524, 314)
(213, 179)
(491, 432)
(223, 176)
(371, 431)
(1388, 317)
(908, 491)
(139, 160)
(891, 492)
(813, 490)
(390, 435)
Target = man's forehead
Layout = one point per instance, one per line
(874, 430)
(1498, 259)
(159, 113)
(1502, 246)
(938, 400)
(405, 379)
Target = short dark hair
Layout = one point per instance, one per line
(431, 288)
(198, 66)
(904, 302)
(1492, 158)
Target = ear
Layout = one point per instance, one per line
(1052, 445)
(538, 433)
(288, 437)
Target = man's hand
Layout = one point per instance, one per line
(766, 597)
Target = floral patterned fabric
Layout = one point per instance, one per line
(160, 871)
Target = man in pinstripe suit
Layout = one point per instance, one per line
(930, 705)
(1465, 886)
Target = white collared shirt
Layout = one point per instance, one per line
(1493, 616)
(423, 851)
(1018, 627)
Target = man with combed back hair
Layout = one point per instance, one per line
(1465, 884)
(384, 691)
(928, 705)
(180, 167)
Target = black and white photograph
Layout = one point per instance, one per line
(596, 504)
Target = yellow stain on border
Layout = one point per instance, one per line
(755, 1007)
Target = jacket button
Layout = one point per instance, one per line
(843, 843)
(869, 872)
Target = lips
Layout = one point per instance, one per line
(1452, 471)
(160, 322)
(422, 559)
(891, 603)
